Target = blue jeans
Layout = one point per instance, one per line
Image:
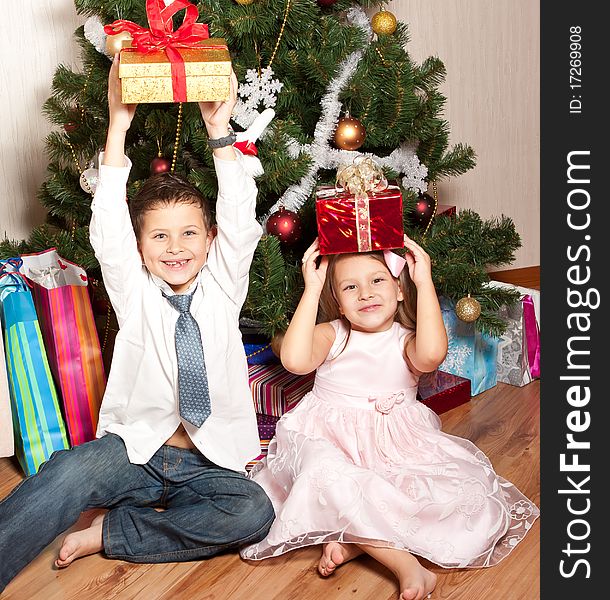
(207, 509)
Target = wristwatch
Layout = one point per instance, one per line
(227, 140)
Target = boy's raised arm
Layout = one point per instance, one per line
(238, 230)
(110, 231)
(120, 119)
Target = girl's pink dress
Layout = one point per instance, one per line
(360, 460)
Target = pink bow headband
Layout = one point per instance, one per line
(394, 262)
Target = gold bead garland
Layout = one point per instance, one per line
(258, 351)
(72, 150)
(435, 196)
(177, 140)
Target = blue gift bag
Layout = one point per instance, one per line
(37, 420)
(471, 354)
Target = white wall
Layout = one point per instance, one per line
(36, 37)
(490, 49)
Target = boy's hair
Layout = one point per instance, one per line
(164, 189)
(329, 307)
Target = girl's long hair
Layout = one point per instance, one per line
(329, 307)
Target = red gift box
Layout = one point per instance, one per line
(275, 390)
(447, 210)
(347, 224)
(442, 391)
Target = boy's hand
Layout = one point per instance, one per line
(216, 115)
(120, 114)
(314, 275)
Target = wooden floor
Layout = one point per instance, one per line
(503, 422)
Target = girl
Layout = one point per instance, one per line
(360, 465)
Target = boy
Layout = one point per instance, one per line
(167, 463)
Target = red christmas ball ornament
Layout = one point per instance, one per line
(286, 225)
(326, 3)
(159, 165)
(425, 209)
(70, 126)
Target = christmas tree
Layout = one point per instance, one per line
(342, 85)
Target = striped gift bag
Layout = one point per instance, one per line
(62, 302)
(7, 446)
(38, 424)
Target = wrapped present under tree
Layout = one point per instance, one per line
(61, 296)
(442, 391)
(471, 353)
(519, 346)
(7, 446)
(38, 423)
(275, 390)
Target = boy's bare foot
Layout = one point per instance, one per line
(335, 554)
(416, 582)
(81, 543)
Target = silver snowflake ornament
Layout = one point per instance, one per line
(255, 91)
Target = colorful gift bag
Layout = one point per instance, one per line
(513, 365)
(62, 301)
(7, 446)
(519, 348)
(471, 354)
(37, 420)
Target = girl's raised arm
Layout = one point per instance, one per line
(426, 350)
(306, 345)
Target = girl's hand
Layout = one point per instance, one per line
(313, 275)
(418, 262)
(120, 114)
(216, 115)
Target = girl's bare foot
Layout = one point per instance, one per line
(81, 543)
(416, 582)
(335, 554)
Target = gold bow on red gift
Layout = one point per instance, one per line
(161, 36)
(360, 178)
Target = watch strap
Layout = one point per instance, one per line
(227, 140)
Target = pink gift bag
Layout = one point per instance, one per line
(7, 446)
(63, 305)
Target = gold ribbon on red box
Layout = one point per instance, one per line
(360, 178)
(161, 36)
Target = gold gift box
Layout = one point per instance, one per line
(147, 77)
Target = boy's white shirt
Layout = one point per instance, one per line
(140, 402)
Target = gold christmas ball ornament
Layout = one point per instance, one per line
(468, 309)
(350, 133)
(115, 43)
(383, 22)
(244, 2)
